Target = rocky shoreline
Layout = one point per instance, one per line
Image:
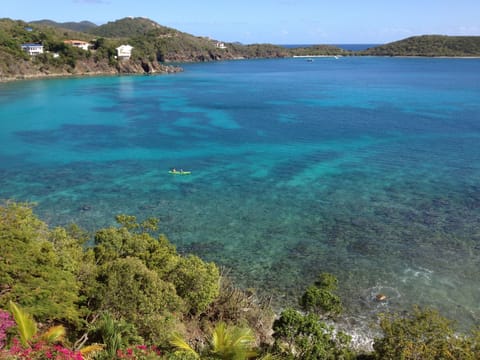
(28, 71)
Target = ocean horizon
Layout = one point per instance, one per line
(367, 168)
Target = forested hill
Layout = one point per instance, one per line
(153, 45)
(128, 27)
(429, 45)
(83, 26)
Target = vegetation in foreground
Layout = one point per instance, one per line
(130, 295)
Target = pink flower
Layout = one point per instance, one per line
(6, 322)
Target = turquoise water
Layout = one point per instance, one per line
(368, 168)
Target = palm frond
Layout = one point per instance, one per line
(26, 325)
(220, 339)
(242, 337)
(89, 352)
(181, 345)
(54, 334)
(233, 342)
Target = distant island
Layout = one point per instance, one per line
(430, 46)
(141, 46)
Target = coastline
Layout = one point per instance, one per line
(84, 69)
(76, 75)
(172, 69)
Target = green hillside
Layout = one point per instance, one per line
(83, 26)
(154, 45)
(171, 45)
(429, 45)
(128, 27)
(60, 59)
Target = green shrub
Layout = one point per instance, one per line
(423, 334)
(131, 291)
(144, 280)
(300, 336)
(33, 268)
(320, 297)
(196, 281)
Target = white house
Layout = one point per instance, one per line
(78, 43)
(124, 52)
(32, 49)
(220, 45)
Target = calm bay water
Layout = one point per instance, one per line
(368, 168)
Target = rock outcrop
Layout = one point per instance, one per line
(28, 69)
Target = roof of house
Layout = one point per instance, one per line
(75, 41)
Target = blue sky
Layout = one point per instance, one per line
(272, 21)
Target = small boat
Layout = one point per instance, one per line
(309, 60)
(179, 172)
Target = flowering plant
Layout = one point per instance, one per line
(140, 352)
(28, 344)
(40, 351)
(6, 322)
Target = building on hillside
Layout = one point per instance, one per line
(220, 45)
(32, 49)
(124, 52)
(78, 43)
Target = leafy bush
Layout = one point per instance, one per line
(144, 280)
(140, 352)
(320, 297)
(114, 335)
(32, 271)
(300, 336)
(128, 272)
(196, 281)
(131, 291)
(423, 334)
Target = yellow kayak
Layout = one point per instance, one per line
(179, 172)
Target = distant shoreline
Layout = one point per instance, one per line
(40, 76)
(346, 47)
(316, 56)
(125, 69)
(72, 76)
